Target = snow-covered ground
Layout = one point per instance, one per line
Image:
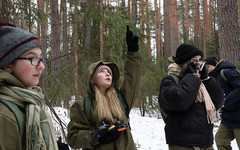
(148, 132)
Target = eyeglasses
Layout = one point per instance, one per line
(35, 61)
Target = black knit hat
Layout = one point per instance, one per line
(185, 52)
(14, 42)
(211, 60)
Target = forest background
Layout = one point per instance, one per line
(75, 33)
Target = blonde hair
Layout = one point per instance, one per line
(108, 106)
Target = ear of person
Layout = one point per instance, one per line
(8, 69)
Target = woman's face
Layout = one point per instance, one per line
(103, 78)
(23, 69)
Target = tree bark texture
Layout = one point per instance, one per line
(55, 36)
(170, 28)
(229, 31)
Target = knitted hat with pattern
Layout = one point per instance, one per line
(14, 42)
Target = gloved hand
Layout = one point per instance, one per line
(109, 133)
(191, 68)
(204, 73)
(132, 41)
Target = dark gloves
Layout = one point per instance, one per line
(204, 73)
(132, 41)
(109, 133)
(191, 68)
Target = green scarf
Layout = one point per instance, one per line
(39, 130)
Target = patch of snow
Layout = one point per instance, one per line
(148, 132)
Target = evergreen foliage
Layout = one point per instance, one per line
(59, 86)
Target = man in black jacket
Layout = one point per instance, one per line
(191, 102)
(229, 79)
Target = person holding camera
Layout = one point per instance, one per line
(228, 77)
(190, 98)
(99, 121)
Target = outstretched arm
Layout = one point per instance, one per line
(132, 70)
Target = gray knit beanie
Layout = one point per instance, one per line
(14, 42)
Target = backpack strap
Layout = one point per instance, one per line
(124, 104)
(17, 113)
(222, 75)
(87, 106)
(175, 78)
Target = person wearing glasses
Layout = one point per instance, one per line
(24, 123)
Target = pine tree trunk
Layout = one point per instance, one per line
(55, 36)
(67, 97)
(129, 11)
(174, 27)
(29, 16)
(23, 20)
(43, 38)
(60, 20)
(65, 32)
(197, 32)
(123, 3)
(134, 12)
(229, 31)
(167, 40)
(75, 47)
(148, 30)
(170, 28)
(38, 22)
(210, 21)
(160, 29)
(101, 33)
(187, 21)
(142, 20)
(239, 15)
(205, 26)
(156, 26)
(88, 32)
(183, 22)
(192, 20)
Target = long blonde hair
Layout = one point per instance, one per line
(108, 106)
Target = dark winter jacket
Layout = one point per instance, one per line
(80, 128)
(187, 123)
(231, 110)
